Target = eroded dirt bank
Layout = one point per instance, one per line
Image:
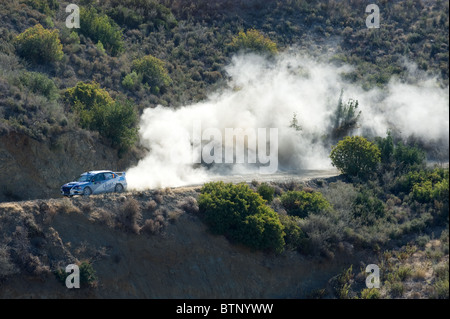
(167, 252)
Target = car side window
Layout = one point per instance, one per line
(99, 178)
(108, 176)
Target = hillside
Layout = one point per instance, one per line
(193, 41)
(153, 244)
(125, 91)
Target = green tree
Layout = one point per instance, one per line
(241, 215)
(386, 146)
(408, 156)
(355, 156)
(39, 45)
(266, 191)
(120, 120)
(97, 111)
(301, 203)
(367, 208)
(345, 118)
(45, 6)
(153, 72)
(88, 94)
(40, 83)
(253, 40)
(101, 28)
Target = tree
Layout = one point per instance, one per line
(88, 94)
(101, 28)
(294, 123)
(39, 45)
(153, 72)
(97, 111)
(253, 40)
(345, 118)
(355, 156)
(241, 215)
(386, 146)
(301, 203)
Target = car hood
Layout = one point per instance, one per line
(72, 184)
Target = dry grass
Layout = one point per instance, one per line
(190, 205)
(129, 215)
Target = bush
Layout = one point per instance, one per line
(152, 72)
(129, 216)
(295, 238)
(345, 118)
(253, 40)
(97, 111)
(39, 45)
(100, 28)
(301, 203)
(88, 276)
(425, 186)
(86, 95)
(117, 123)
(370, 293)
(44, 6)
(39, 83)
(386, 146)
(367, 208)
(133, 13)
(355, 156)
(266, 191)
(408, 156)
(132, 81)
(241, 215)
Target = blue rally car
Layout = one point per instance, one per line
(96, 182)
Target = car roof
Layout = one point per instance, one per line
(96, 172)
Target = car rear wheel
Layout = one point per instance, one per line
(87, 191)
(119, 188)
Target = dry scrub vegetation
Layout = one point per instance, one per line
(30, 244)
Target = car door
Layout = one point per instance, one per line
(109, 183)
(98, 183)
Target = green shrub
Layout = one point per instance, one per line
(132, 81)
(45, 6)
(134, 13)
(152, 72)
(88, 276)
(119, 123)
(367, 208)
(88, 94)
(39, 45)
(266, 191)
(386, 146)
(39, 83)
(345, 118)
(97, 111)
(100, 28)
(241, 215)
(253, 40)
(295, 238)
(425, 186)
(301, 203)
(355, 156)
(408, 156)
(370, 293)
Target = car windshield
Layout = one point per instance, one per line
(85, 178)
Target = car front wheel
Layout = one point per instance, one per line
(87, 191)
